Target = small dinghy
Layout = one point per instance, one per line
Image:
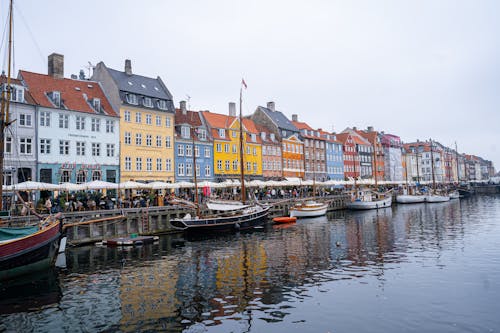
(285, 219)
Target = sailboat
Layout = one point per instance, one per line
(434, 196)
(235, 215)
(30, 248)
(410, 195)
(364, 199)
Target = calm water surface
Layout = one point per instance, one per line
(413, 268)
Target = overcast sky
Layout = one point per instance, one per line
(417, 69)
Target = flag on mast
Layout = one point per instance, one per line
(244, 83)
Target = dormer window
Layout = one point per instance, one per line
(185, 132)
(97, 104)
(263, 135)
(148, 102)
(222, 133)
(162, 104)
(253, 137)
(55, 98)
(202, 134)
(132, 99)
(17, 94)
(272, 136)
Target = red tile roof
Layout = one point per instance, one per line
(72, 92)
(27, 96)
(222, 121)
(191, 117)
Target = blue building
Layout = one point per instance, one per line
(189, 128)
(334, 157)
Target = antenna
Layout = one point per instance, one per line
(90, 67)
(188, 100)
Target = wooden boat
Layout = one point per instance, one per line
(28, 249)
(285, 219)
(367, 199)
(435, 198)
(408, 198)
(454, 195)
(309, 208)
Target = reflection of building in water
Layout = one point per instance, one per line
(147, 294)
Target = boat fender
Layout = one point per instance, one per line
(237, 226)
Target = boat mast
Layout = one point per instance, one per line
(432, 168)
(195, 175)
(418, 171)
(242, 164)
(4, 112)
(456, 157)
(314, 167)
(375, 159)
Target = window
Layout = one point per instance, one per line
(63, 147)
(219, 165)
(218, 147)
(25, 146)
(234, 148)
(202, 134)
(80, 123)
(95, 125)
(55, 97)
(226, 147)
(158, 120)
(96, 149)
(65, 176)
(128, 163)
(248, 150)
(234, 134)
(132, 99)
(158, 140)
(8, 144)
(97, 104)
(207, 152)
(138, 117)
(235, 165)
(80, 148)
(110, 126)
(255, 151)
(197, 170)
(96, 175)
(148, 119)
(44, 146)
(138, 139)
(110, 149)
(249, 166)
(180, 169)
(207, 170)
(197, 151)
(227, 163)
(149, 140)
(81, 177)
(127, 138)
(149, 164)
(168, 122)
(253, 137)
(189, 150)
(168, 164)
(25, 120)
(185, 132)
(17, 94)
(168, 142)
(254, 167)
(180, 150)
(45, 119)
(158, 164)
(189, 169)
(162, 104)
(138, 163)
(148, 102)
(222, 133)
(126, 116)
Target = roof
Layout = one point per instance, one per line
(76, 95)
(221, 121)
(279, 119)
(27, 96)
(358, 139)
(141, 85)
(267, 139)
(325, 133)
(191, 117)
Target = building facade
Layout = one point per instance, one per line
(379, 157)
(350, 154)
(334, 157)
(271, 154)
(146, 111)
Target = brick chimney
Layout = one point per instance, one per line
(369, 129)
(232, 109)
(295, 117)
(128, 67)
(56, 65)
(270, 106)
(183, 107)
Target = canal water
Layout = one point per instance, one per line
(409, 268)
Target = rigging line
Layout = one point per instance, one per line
(25, 22)
(4, 35)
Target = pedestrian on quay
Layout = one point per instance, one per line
(48, 205)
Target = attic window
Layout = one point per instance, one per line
(130, 83)
(156, 88)
(253, 137)
(132, 99)
(77, 89)
(162, 104)
(148, 102)
(143, 85)
(55, 97)
(90, 86)
(97, 104)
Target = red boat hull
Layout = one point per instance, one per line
(285, 219)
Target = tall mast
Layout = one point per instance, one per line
(406, 169)
(195, 175)
(458, 169)
(242, 164)
(314, 166)
(4, 112)
(432, 168)
(375, 159)
(418, 171)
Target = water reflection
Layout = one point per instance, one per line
(240, 282)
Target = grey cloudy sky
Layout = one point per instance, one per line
(418, 69)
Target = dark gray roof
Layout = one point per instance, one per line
(141, 85)
(279, 119)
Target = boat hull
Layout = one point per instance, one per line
(454, 195)
(437, 198)
(284, 219)
(408, 199)
(364, 205)
(29, 254)
(243, 221)
(309, 212)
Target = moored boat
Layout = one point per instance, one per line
(454, 195)
(310, 208)
(359, 204)
(285, 219)
(408, 198)
(434, 198)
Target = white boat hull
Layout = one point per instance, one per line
(437, 198)
(309, 212)
(454, 195)
(376, 204)
(407, 199)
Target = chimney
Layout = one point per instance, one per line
(295, 117)
(74, 77)
(56, 66)
(232, 109)
(128, 67)
(183, 107)
(354, 128)
(270, 106)
(369, 128)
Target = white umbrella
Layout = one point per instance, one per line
(131, 185)
(159, 185)
(99, 185)
(183, 184)
(68, 187)
(34, 186)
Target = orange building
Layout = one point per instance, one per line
(378, 162)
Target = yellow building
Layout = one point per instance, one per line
(225, 131)
(146, 123)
